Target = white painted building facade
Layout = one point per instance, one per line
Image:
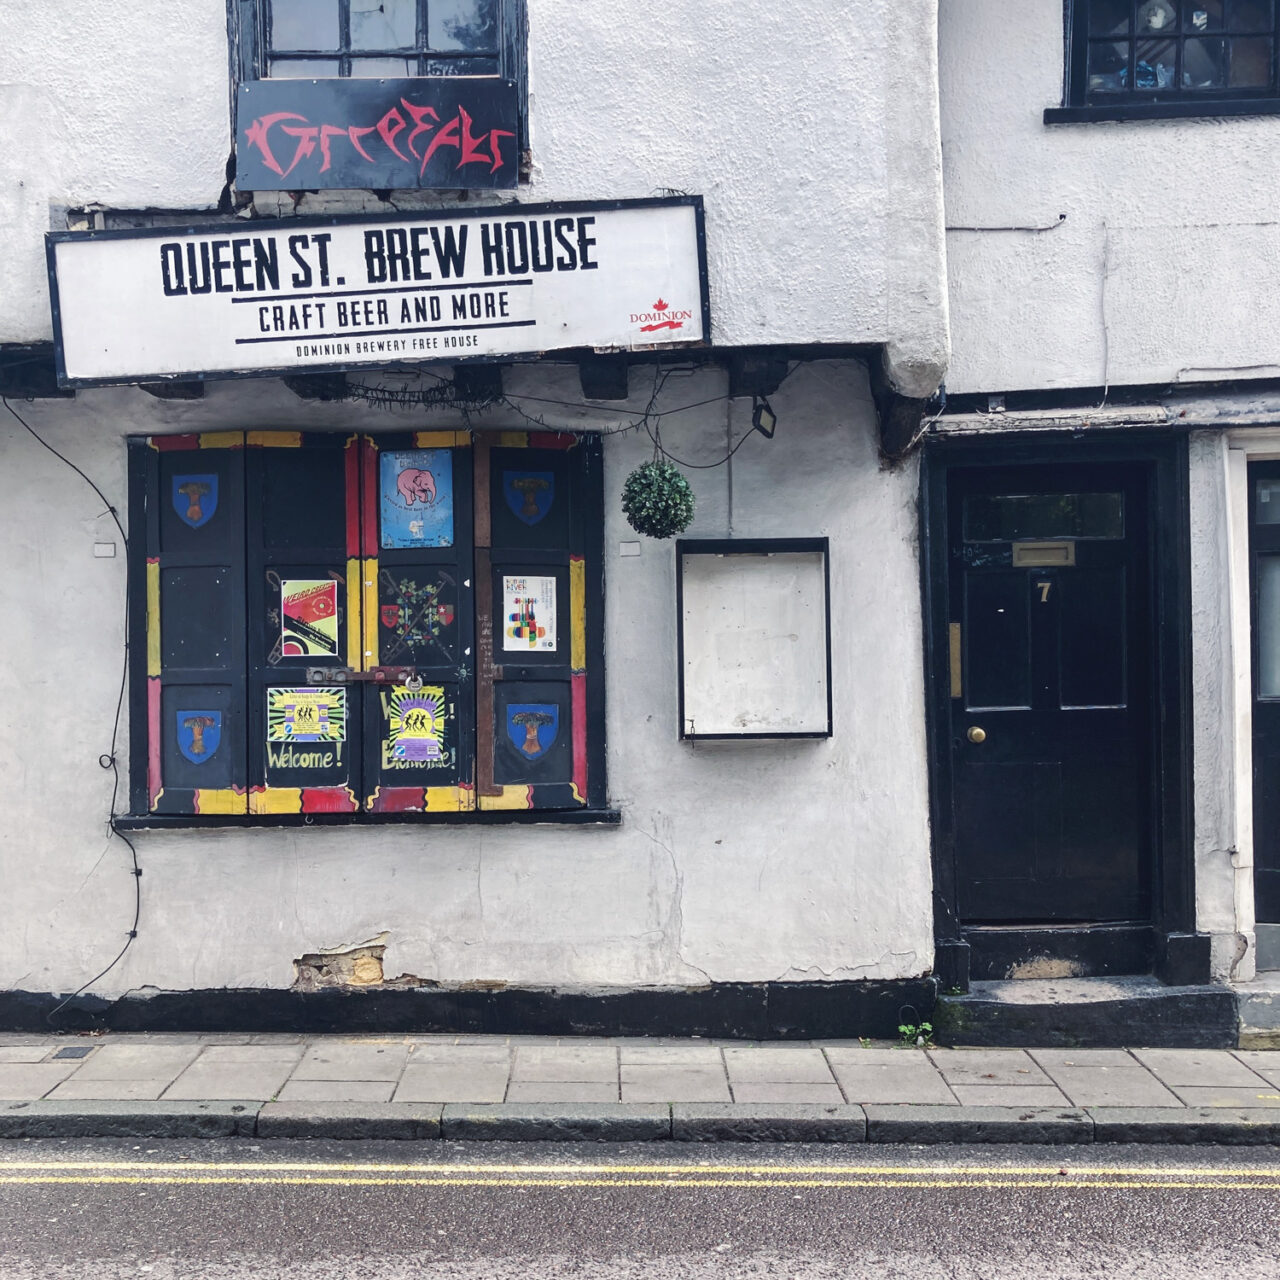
(747, 865)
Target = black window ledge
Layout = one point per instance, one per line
(478, 818)
(1161, 110)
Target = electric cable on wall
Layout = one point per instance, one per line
(109, 759)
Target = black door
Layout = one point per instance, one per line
(1264, 546)
(1049, 634)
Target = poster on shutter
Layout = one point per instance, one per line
(417, 498)
(416, 723)
(529, 614)
(306, 715)
(309, 618)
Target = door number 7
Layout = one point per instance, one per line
(1044, 591)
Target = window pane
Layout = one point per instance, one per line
(1157, 15)
(1155, 64)
(1250, 64)
(304, 68)
(462, 66)
(1205, 16)
(1204, 64)
(1269, 626)
(384, 24)
(1249, 15)
(1109, 17)
(304, 24)
(1010, 517)
(462, 24)
(1109, 67)
(384, 68)
(1268, 502)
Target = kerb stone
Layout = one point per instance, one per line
(101, 1119)
(557, 1122)
(776, 1122)
(350, 1120)
(977, 1124)
(1230, 1126)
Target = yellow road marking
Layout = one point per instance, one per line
(687, 1170)
(673, 1181)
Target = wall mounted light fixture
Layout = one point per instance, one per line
(763, 418)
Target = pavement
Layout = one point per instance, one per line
(545, 1089)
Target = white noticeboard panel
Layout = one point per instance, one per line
(754, 639)
(304, 295)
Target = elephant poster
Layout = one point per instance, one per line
(417, 498)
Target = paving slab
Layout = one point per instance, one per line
(777, 1064)
(777, 1122)
(32, 1080)
(1241, 1126)
(77, 1087)
(139, 1060)
(261, 1080)
(1131, 1086)
(337, 1091)
(562, 1091)
(452, 1082)
(988, 1066)
(111, 1119)
(1204, 1067)
(566, 1064)
(787, 1091)
(24, 1052)
(1266, 1097)
(533, 1122)
(344, 1061)
(350, 1120)
(641, 1083)
(1052, 1059)
(694, 1055)
(461, 1055)
(249, 1053)
(923, 1083)
(876, 1055)
(1010, 1095)
(1265, 1063)
(977, 1124)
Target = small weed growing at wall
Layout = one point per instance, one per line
(916, 1035)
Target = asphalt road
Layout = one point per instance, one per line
(210, 1210)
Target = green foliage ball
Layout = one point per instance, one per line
(657, 500)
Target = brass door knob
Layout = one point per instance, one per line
(976, 734)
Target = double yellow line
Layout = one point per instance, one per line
(686, 1176)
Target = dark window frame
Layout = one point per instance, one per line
(1173, 102)
(247, 34)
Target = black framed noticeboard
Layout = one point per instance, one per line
(754, 638)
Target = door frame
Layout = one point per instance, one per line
(1169, 945)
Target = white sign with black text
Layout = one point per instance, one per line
(297, 295)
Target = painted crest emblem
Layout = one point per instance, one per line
(529, 494)
(532, 727)
(195, 498)
(199, 733)
(390, 616)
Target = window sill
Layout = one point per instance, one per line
(492, 818)
(1097, 113)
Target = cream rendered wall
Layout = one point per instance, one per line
(765, 861)
(1167, 267)
(811, 131)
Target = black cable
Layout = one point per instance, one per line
(110, 759)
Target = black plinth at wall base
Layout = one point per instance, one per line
(951, 964)
(1183, 959)
(748, 1011)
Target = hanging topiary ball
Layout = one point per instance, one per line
(657, 500)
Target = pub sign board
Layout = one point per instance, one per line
(431, 132)
(306, 295)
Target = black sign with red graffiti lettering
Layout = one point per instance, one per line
(432, 132)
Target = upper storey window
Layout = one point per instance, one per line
(1170, 57)
(382, 38)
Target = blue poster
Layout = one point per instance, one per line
(417, 498)
(199, 733)
(532, 727)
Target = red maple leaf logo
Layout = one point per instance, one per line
(659, 305)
